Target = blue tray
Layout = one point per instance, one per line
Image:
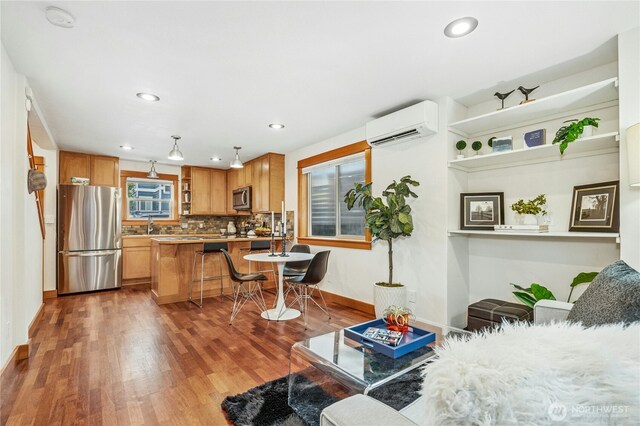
(414, 339)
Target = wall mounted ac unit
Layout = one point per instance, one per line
(414, 122)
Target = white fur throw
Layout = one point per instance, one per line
(550, 374)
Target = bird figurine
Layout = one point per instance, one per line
(503, 96)
(526, 93)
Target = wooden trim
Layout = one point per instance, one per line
(38, 194)
(303, 200)
(34, 321)
(141, 283)
(343, 151)
(335, 242)
(124, 174)
(49, 294)
(358, 305)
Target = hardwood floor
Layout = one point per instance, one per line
(118, 358)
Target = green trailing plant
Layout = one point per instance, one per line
(385, 220)
(535, 292)
(476, 146)
(534, 206)
(460, 145)
(569, 133)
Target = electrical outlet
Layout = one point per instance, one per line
(411, 295)
(201, 225)
(184, 225)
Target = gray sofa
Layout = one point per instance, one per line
(363, 410)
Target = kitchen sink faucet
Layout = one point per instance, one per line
(149, 225)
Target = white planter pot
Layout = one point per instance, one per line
(527, 219)
(587, 131)
(383, 297)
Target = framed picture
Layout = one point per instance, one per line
(595, 208)
(481, 210)
(535, 138)
(503, 144)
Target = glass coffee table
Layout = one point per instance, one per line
(327, 368)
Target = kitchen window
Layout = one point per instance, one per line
(323, 180)
(149, 198)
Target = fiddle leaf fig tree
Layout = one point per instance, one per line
(387, 217)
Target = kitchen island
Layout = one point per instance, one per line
(172, 266)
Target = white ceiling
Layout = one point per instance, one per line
(225, 70)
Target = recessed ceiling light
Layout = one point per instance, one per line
(59, 17)
(149, 97)
(276, 126)
(461, 27)
(126, 147)
(216, 159)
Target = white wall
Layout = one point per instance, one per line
(50, 206)
(21, 242)
(420, 260)
(629, 75)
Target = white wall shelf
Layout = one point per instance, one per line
(595, 145)
(585, 96)
(557, 235)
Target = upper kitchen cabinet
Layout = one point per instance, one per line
(208, 191)
(105, 171)
(267, 182)
(99, 169)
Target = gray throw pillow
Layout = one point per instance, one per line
(612, 297)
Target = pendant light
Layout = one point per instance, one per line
(152, 173)
(175, 153)
(236, 163)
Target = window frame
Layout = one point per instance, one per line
(304, 236)
(175, 220)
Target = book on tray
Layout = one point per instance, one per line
(388, 337)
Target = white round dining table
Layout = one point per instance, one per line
(280, 312)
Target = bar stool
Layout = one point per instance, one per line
(208, 248)
(245, 287)
(259, 247)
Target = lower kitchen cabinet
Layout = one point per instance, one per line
(136, 260)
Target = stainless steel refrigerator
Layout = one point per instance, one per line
(89, 238)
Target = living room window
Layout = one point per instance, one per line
(144, 198)
(322, 182)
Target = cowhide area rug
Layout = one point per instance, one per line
(267, 404)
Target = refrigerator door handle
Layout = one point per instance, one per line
(88, 253)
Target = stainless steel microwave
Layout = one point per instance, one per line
(242, 198)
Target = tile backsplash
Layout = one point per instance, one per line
(204, 224)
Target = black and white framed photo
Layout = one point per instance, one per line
(595, 208)
(481, 210)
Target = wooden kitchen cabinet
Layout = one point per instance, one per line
(99, 169)
(208, 191)
(105, 171)
(136, 260)
(267, 182)
(74, 164)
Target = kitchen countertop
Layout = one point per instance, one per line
(194, 239)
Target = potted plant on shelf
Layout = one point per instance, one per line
(476, 146)
(528, 212)
(386, 221)
(576, 130)
(460, 146)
